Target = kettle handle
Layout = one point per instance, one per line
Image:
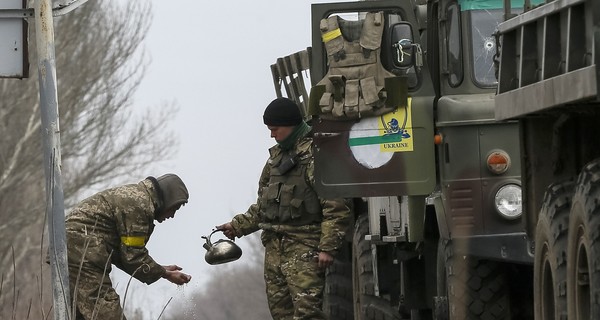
(215, 230)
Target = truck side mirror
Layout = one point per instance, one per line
(403, 54)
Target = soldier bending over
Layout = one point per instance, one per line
(113, 227)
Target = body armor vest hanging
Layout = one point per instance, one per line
(354, 84)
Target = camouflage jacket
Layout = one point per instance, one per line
(117, 223)
(324, 235)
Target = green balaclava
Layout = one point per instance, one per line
(299, 132)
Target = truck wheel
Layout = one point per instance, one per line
(337, 297)
(476, 289)
(583, 260)
(550, 265)
(366, 304)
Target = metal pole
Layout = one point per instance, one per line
(55, 207)
(596, 34)
(507, 10)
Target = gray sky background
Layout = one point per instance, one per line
(212, 59)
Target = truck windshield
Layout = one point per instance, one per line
(483, 43)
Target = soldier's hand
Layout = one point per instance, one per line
(227, 230)
(173, 267)
(325, 259)
(177, 277)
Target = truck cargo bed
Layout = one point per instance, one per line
(547, 58)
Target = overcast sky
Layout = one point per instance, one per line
(212, 59)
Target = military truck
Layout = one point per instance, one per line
(434, 160)
(548, 81)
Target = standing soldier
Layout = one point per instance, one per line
(301, 232)
(113, 227)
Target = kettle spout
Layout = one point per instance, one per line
(208, 244)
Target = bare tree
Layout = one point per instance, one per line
(99, 67)
(234, 291)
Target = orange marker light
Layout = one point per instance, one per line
(498, 162)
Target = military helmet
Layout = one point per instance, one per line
(173, 191)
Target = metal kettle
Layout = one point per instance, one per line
(222, 251)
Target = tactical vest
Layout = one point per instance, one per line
(287, 198)
(354, 86)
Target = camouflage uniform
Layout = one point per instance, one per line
(110, 227)
(296, 226)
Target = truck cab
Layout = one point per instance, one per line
(436, 181)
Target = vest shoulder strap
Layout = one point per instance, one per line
(331, 35)
(372, 31)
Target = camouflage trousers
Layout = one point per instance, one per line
(90, 284)
(293, 280)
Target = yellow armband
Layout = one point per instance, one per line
(134, 241)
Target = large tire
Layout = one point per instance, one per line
(337, 298)
(583, 260)
(477, 289)
(367, 306)
(550, 264)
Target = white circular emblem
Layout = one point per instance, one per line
(363, 142)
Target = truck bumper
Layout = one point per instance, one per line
(513, 247)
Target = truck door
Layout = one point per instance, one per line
(387, 154)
